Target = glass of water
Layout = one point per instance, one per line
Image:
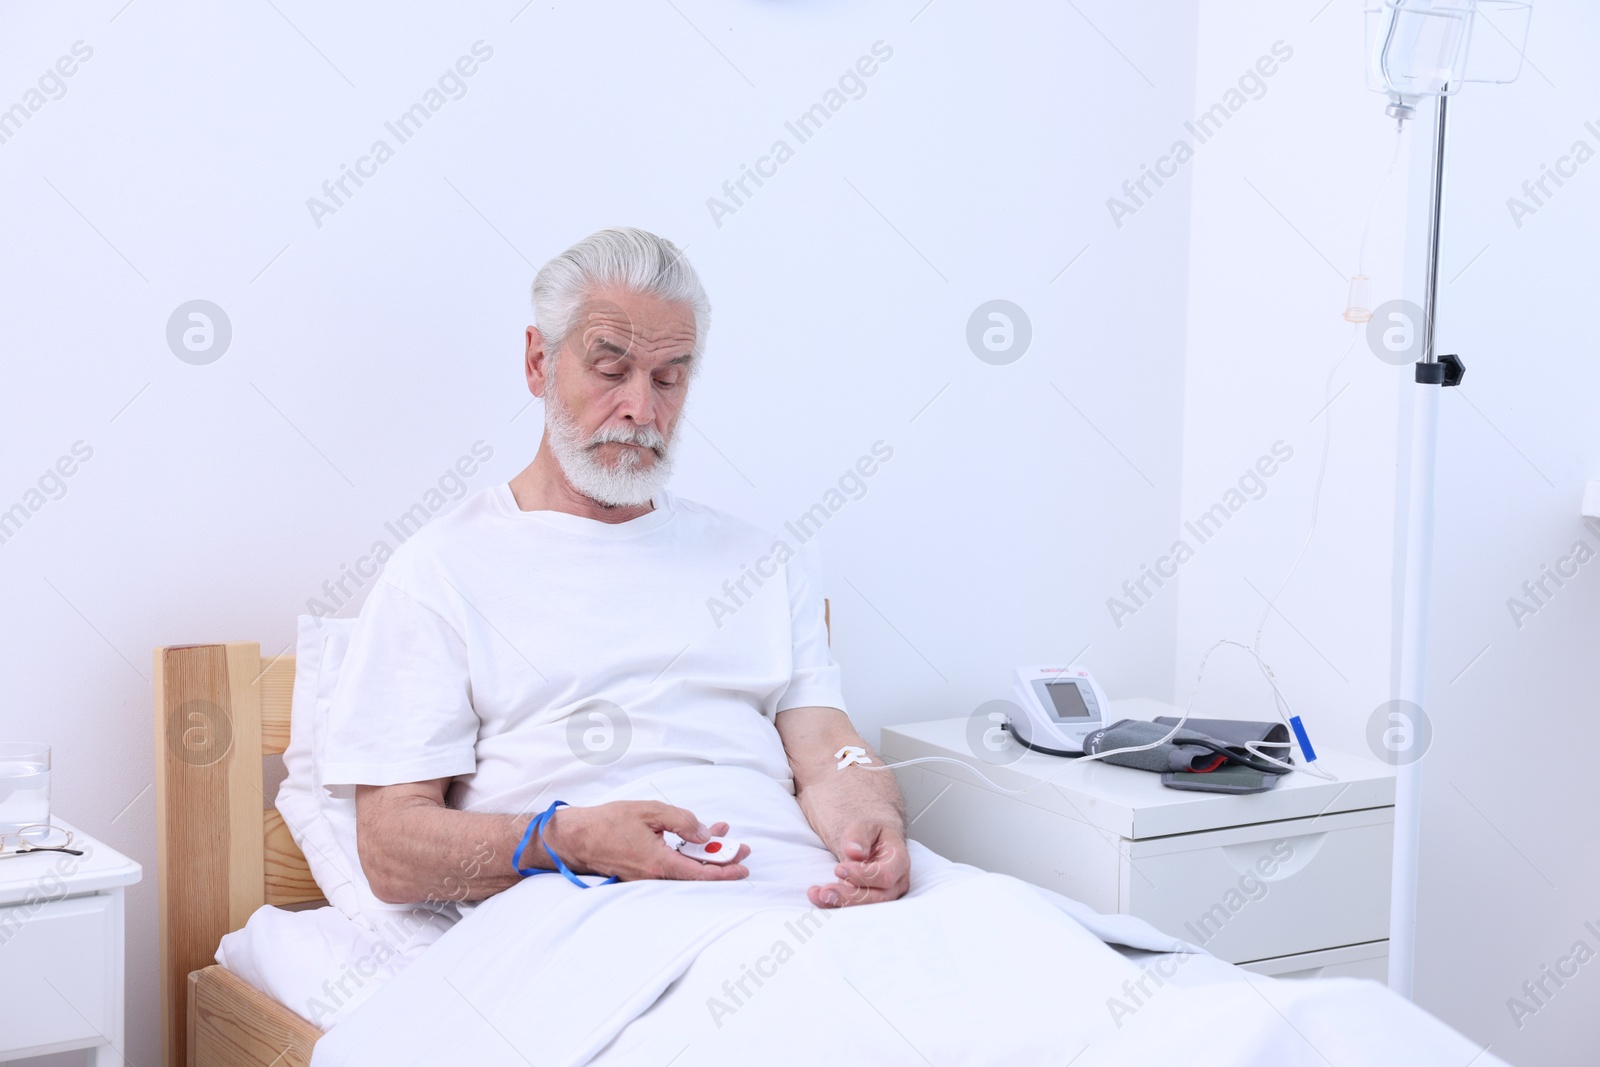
(24, 784)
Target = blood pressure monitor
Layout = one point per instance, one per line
(1060, 707)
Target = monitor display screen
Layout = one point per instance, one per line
(1067, 699)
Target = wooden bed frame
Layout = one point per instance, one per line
(223, 851)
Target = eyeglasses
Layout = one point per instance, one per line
(37, 837)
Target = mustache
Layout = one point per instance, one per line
(643, 436)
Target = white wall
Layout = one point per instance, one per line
(1281, 196)
(1508, 876)
(371, 352)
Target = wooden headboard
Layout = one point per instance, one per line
(223, 848)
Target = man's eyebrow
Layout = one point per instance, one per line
(609, 346)
(602, 344)
(622, 353)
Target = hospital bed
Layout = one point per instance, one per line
(224, 853)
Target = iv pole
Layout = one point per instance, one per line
(1432, 373)
(1433, 53)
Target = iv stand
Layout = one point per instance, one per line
(1432, 372)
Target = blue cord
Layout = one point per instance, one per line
(537, 826)
(527, 836)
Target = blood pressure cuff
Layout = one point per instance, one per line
(1202, 745)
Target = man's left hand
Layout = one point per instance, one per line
(874, 866)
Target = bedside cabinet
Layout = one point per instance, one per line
(1293, 882)
(61, 951)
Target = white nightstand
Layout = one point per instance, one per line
(1293, 882)
(61, 951)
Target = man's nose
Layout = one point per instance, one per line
(638, 400)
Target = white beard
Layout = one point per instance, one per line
(627, 484)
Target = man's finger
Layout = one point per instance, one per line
(885, 866)
(878, 873)
(844, 895)
(680, 821)
(858, 841)
(679, 867)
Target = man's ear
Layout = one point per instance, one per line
(536, 362)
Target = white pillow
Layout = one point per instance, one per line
(322, 819)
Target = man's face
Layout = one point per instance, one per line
(614, 393)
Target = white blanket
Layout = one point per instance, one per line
(968, 968)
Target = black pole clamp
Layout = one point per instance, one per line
(1448, 371)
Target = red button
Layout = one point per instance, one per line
(713, 846)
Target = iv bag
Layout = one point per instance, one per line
(1433, 47)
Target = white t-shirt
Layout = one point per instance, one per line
(537, 655)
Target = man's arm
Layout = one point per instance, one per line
(415, 849)
(859, 814)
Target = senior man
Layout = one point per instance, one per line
(571, 602)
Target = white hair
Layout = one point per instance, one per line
(621, 257)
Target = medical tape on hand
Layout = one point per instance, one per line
(850, 755)
(537, 826)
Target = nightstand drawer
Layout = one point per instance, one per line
(1353, 961)
(58, 972)
(1273, 889)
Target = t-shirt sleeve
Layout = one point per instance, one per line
(815, 681)
(402, 708)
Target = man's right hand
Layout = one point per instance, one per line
(623, 838)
